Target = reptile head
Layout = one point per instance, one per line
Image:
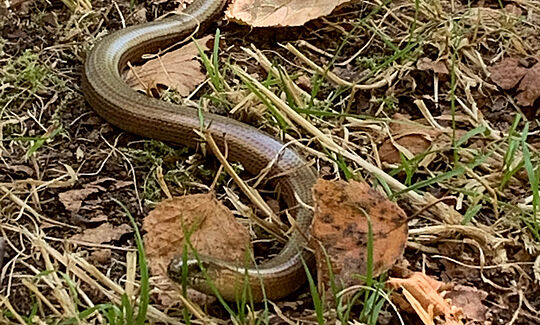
(194, 270)
(205, 274)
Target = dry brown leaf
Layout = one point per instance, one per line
(178, 69)
(214, 231)
(469, 299)
(341, 227)
(509, 73)
(407, 139)
(415, 143)
(529, 86)
(102, 234)
(438, 66)
(267, 13)
(73, 199)
(423, 294)
(100, 256)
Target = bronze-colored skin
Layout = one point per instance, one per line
(120, 105)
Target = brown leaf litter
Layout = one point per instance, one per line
(525, 74)
(469, 299)
(73, 199)
(437, 66)
(213, 231)
(177, 69)
(340, 226)
(104, 233)
(406, 138)
(282, 13)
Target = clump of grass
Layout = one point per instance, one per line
(23, 77)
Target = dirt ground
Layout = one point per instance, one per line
(63, 169)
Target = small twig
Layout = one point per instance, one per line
(252, 194)
(162, 183)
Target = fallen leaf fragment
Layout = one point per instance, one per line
(178, 69)
(407, 139)
(340, 226)
(266, 13)
(438, 66)
(213, 228)
(103, 233)
(509, 73)
(100, 256)
(469, 299)
(73, 199)
(423, 293)
(213, 231)
(529, 86)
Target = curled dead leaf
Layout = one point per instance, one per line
(529, 86)
(340, 226)
(100, 256)
(73, 199)
(269, 13)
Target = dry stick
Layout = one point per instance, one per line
(252, 194)
(476, 232)
(241, 103)
(2, 252)
(427, 115)
(162, 183)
